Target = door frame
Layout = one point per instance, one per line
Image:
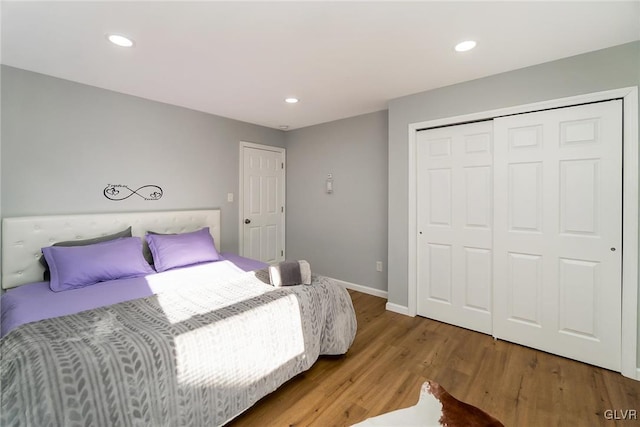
(283, 155)
(630, 198)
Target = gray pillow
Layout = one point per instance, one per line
(146, 251)
(124, 233)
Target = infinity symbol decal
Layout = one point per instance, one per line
(147, 192)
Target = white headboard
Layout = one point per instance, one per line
(24, 237)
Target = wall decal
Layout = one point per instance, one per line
(118, 192)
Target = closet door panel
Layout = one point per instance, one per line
(558, 231)
(455, 220)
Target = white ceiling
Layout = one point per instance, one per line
(241, 59)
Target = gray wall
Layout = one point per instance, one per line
(64, 142)
(342, 234)
(605, 69)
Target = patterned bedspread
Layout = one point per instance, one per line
(196, 356)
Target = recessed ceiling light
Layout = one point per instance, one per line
(283, 127)
(465, 46)
(291, 100)
(120, 40)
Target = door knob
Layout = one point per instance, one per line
(247, 221)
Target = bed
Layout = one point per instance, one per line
(190, 345)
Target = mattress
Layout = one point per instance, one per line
(193, 346)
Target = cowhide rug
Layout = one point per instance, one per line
(436, 407)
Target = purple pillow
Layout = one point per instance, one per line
(79, 266)
(179, 250)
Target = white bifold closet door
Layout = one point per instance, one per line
(454, 204)
(558, 231)
(520, 229)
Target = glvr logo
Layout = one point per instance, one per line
(621, 414)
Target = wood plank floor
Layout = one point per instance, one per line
(394, 354)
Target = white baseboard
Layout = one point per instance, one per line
(401, 309)
(396, 308)
(364, 289)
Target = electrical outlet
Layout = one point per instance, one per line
(378, 265)
(229, 197)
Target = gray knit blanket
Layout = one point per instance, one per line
(196, 356)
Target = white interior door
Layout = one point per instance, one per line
(455, 194)
(557, 231)
(262, 221)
